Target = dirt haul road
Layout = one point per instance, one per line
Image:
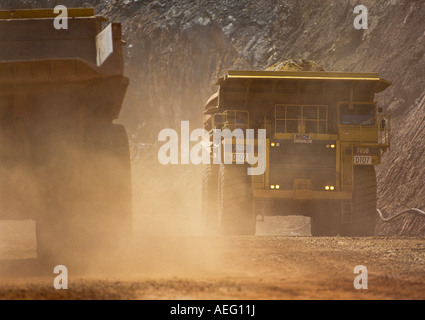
(197, 267)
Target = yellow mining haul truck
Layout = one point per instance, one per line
(324, 137)
(64, 163)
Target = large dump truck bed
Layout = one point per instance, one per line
(83, 62)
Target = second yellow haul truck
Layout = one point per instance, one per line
(324, 137)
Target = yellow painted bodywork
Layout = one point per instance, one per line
(44, 13)
(345, 137)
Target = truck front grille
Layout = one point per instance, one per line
(315, 161)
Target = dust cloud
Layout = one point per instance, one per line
(167, 237)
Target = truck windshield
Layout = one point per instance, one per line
(360, 114)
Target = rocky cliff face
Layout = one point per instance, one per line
(176, 49)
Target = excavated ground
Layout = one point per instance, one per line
(265, 267)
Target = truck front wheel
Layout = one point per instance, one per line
(209, 198)
(235, 201)
(364, 215)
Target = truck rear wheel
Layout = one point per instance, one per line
(235, 201)
(95, 216)
(109, 190)
(364, 203)
(209, 197)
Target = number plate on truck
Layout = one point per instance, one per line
(363, 160)
(239, 157)
(300, 138)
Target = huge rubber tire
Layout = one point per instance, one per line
(209, 198)
(326, 219)
(235, 201)
(59, 167)
(94, 217)
(364, 215)
(109, 186)
(120, 190)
